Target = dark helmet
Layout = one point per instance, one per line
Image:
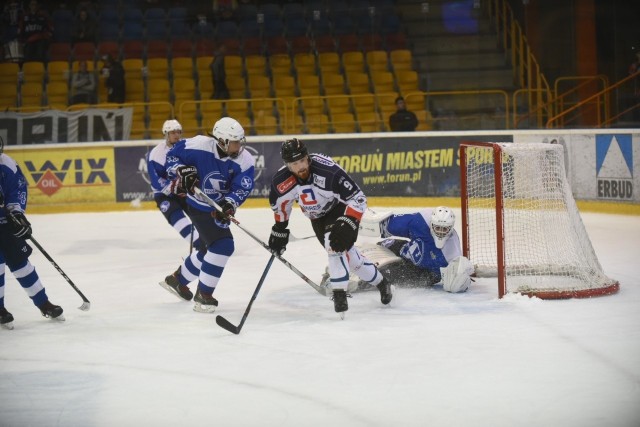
(293, 150)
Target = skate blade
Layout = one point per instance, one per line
(8, 326)
(201, 308)
(172, 291)
(341, 314)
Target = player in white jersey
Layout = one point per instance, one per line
(172, 204)
(419, 249)
(14, 250)
(220, 166)
(334, 203)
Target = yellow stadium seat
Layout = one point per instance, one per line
(133, 68)
(8, 95)
(338, 104)
(312, 106)
(284, 86)
(407, 81)
(158, 90)
(255, 65)
(353, 61)
(377, 60)
(308, 84)
(358, 83)
(182, 68)
(382, 81)
(364, 102)
(211, 112)
(329, 62)
(33, 72)
(280, 64)
(333, 84)
(233, 65)
(157, 68)
(264, 123)
(202, 66)
(305, 64)
(58, 71)
(9, 72)
(191, 126)
(236, 86)
(58, 93)
(369, 122)
(184, 89)
(343, 123)
(259, 86)
(134, 90)
(401, 59)
(31, 94)
(318, 123)
(425, 120)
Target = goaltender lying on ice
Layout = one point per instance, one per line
(419, 249)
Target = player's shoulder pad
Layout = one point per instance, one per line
(322, 159)
(284, 180)
(7, 161)
(245, 160)
(158, 153)
(198, 142)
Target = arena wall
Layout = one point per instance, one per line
(407, 169)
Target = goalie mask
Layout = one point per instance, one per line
(229, 136)
(442, 221)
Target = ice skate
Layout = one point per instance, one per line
(52, 311)
(204, 303)
(340, 303)
(172, 285)
(386, 291)
(6, 319)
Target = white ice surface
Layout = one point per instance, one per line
(141, 357)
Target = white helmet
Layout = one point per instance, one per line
(171, 125)
(442, 221)
(227, 130)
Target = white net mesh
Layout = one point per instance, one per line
(547, 251)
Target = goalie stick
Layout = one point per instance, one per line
(203, 197)
(225, 324)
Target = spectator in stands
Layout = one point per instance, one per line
(11, 16)
(203, 28)
(218, 74)
(114, 73)
(83, 85)
(84, 29)
(36, 30)
(402, 120)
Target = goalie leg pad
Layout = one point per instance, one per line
(456, 277)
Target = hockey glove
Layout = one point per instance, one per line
(174, 188)
(343, 233)
(21, 227)
(279, 238)
(227, 209)
(188, 178)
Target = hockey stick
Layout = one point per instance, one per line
(225, 324)
(203, 197)
(293, 238)
(86, 304)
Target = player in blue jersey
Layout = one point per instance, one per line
(220, 166)
(170, 201)
(14, 250)
(334, 203)
(419, 249)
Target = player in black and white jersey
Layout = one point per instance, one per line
(334, 203)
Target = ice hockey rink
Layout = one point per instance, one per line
(141, 357)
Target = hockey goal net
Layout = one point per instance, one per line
(521, 223)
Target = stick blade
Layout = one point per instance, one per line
(85, 306)
(225, 324)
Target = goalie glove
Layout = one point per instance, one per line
(21, 227)
(227, 210)
(456, 277)
(188, 178)
(344, 233)
(279, 238)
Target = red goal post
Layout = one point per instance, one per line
(520, 222)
